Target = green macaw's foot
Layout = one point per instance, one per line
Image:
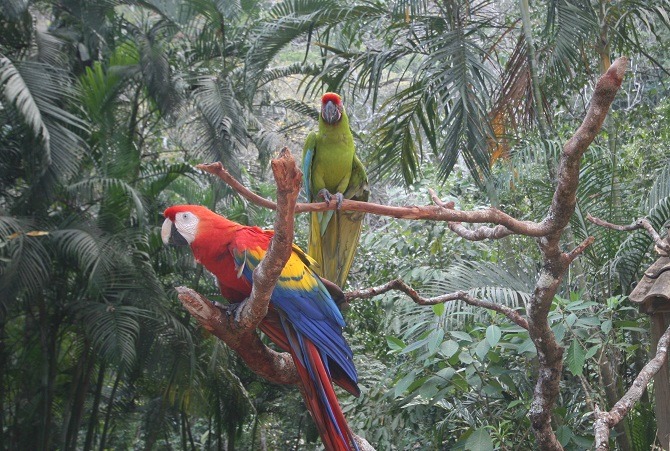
(327, 197)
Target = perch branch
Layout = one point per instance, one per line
(642, 223)
(399, 285)
(478, 234)
(288, 178)
(605, 421)
(274, 366)
(414, 212)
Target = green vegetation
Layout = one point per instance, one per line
(106, 105)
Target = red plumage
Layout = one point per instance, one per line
(214, 244)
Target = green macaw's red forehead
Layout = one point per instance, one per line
(332, 97)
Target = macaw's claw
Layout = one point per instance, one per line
(325, 194)
(340, 198)
(231, 313)
(328, 197)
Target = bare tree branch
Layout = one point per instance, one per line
(274, 366)
(427, 212)
(479, 234)
(399, 285)
(642, 223)
(554, 262)
(579, 250)
(605, 421)
(288, 178)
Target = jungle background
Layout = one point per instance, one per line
(107, 105)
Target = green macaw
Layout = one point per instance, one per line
(331, 168)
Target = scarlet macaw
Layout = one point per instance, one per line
(302, 319)
(330, 167)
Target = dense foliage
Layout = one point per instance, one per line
(107, 104)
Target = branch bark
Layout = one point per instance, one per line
(605, 421)
(643, 223)
(555, 262)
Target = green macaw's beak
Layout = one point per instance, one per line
(330, 113)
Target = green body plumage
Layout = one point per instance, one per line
(330, 163)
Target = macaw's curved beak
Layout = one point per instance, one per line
(330, 113)
(170, 235)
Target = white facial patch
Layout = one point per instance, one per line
(187, 225)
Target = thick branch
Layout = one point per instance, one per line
(642, 223)
(271, 365)
(478, 234)
(399, 285)
(564, 201)
(427, 212)
(605, 421)
(288, 178)
(555, 262)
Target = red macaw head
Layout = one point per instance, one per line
(182, 223)
(331, 108)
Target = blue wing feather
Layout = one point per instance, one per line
(308, 156)
(304, 300)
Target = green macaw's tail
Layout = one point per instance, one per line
(334, 235)
(334, 250)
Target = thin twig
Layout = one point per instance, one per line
(399, 285)
(579, 250)
(642, 223)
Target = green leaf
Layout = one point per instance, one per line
(606, 326)
(449, 348)
(438, 309)
(480, 440)
(404, 383)
(592, 351)
(564, 435)
(575, 358)
(482, 348)
(435, 339)
(493, 335)
(459, 335)
(395, 344)
(465, 358)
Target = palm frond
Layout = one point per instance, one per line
(155, 66)
(511, 285)
(289, 20)
(113, 329)
(37, 92)
(399, 137)
(94, 187)
(24, 257)
(221, 126)
(17, 93)
(14, 8)
(573, 23)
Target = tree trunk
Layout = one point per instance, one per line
(108, 414)
(93, 418)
